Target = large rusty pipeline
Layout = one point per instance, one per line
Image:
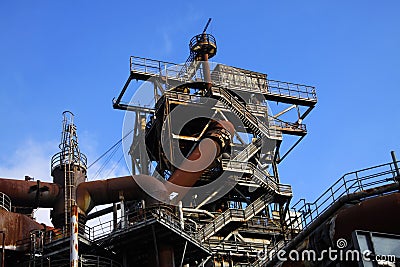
(91, 194)
(29, 193)
(210, 146)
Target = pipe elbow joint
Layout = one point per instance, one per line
(222, 134)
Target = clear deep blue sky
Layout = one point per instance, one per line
(58, 55)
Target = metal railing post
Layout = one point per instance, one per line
(395, 164)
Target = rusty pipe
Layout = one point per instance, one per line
(209, 147)
(30, 194)
(91, 194)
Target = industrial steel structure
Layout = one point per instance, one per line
(205, 188)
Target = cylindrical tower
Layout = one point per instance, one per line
(68, 168)
(203, 47)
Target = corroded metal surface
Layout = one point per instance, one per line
(17, 227)
(29, 193)
(90, 194)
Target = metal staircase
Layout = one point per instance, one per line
(258, 176)
(190, 67)
(234, 215)
(249, 151)
(254, 123)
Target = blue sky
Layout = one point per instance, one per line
(74, 55)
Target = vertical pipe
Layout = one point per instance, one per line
(206, 65)
(181, 215)
(74, 256)
(115, 217)
(123, 215)
(3, 250)
(395, 163)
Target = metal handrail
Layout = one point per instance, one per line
(292, 89)
(59, 159)
(262, 178)
(201, 38)
(5, 202)
(84, 260)
(349, 183)
(305, 213)
(241, 110)
(246, 82)
(233, 214)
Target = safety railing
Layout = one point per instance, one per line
(292, 90)
(61, 158)
(219, 222)
(166, 70)
(263, 223)
(84, 260)
(186, 98)
(288, 126)
(249, 151)
(125, 223)
(352, 182)
(303, 213)
(243, 248)
(234, 215)
(5, 202)
(172, 221)
(242, 80)
(225, 76)
(201, 39)
(260, 177)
